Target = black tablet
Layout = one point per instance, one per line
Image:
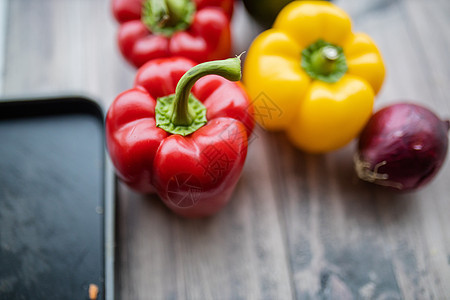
(56, 204)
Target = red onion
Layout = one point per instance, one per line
(403, 146)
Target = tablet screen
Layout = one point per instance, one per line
(51, 206)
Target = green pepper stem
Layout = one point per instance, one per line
(176, 10)
(167, 16)
(168, 12)
(325, 60)
(182, 113)
(159, 10)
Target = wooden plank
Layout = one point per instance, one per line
(347, 239)
(3, 30)
(429, 25)
(238, 254)
(298, 226)
(336, 245)
(243, 29)
(69, 56)
(64, 47)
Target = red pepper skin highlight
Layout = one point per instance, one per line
(194, 175)
(403, 146)
(207, 38)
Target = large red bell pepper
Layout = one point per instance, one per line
(188, 147)
(196, 29)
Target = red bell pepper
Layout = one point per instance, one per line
(187, 147)
(195, 29)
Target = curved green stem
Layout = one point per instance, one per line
(228, 68)
(181, 113)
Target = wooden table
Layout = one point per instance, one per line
(298, 226)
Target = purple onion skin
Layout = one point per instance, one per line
(403, 146)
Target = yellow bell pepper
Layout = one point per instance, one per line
(312, 77)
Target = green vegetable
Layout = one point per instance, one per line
(265, 11)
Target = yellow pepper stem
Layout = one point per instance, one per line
(324, 61)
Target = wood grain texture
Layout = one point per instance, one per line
(239, 253)
(64, 46)
(298, 226)
(3, 20)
